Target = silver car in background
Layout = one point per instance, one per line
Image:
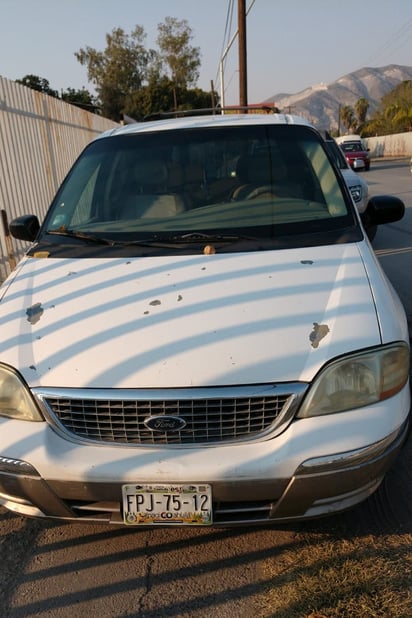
(357, 186)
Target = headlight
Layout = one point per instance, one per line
(358, 380)
(15, 399)
(356, 191)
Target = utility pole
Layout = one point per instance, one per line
(232, 40)
(339, 108)
(212, 95)
(242, 53)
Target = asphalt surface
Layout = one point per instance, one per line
(391, 507)
(55, 570)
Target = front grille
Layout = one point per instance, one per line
(208, 420)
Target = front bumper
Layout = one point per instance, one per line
(319, 486)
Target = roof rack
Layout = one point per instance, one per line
(268, 109)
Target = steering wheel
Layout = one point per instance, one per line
(250, 192)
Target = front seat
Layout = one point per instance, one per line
(149, 195)
(258, 177)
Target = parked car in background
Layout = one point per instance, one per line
(357, 185)
(200, 333)
(356, 155)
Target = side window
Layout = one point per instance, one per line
(75, 203)
(83, 210)
(327, 179)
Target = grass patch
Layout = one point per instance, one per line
(329, 577)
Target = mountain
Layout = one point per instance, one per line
(320, 103)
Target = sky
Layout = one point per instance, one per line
(291, 44)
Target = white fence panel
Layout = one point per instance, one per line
(40, 138)
(396, 145)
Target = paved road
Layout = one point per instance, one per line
(392, 506)
(393, 243)
(55, 570)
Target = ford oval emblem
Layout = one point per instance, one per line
(164, 423)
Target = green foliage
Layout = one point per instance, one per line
(38, 83)
(117, 71)
(81, 98)
(354, 119)
(197, 99)
(161, 95)
(180, 59)
(395, 112)
(134, 81)
(157, 95)
(401, 97)
(347, 117)
(361, 109)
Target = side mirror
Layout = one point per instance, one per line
(383, 209)
(25, 228)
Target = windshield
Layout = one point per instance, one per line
(266, 182)
(352, 147)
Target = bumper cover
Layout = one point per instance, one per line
(319, 486)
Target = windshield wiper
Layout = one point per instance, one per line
(155, 240)
(189, 238)
(82, 235)
(200, 237)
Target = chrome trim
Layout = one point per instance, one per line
(293, 391)
(17, 466)
(21, 508)
(349, 459)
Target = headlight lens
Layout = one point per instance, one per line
(15, 399)
(358, 380)
(356, 191)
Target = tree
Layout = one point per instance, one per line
(180, 61)
(37, 83)
(81, 98)
(361, 109)
(134, 81)
(397, 106)
(354, 119)
(160, 95)
(157, 95)
(119, 70)
(347, 117)
(395, 112)
(401, 96)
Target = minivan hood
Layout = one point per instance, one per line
(192, 320)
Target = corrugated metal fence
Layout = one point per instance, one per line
(40, 138)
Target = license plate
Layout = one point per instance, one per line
(180, 505)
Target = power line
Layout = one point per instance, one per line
(395, 42)
(228, 27)
(224, 54)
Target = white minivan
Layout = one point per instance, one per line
(200, 333)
